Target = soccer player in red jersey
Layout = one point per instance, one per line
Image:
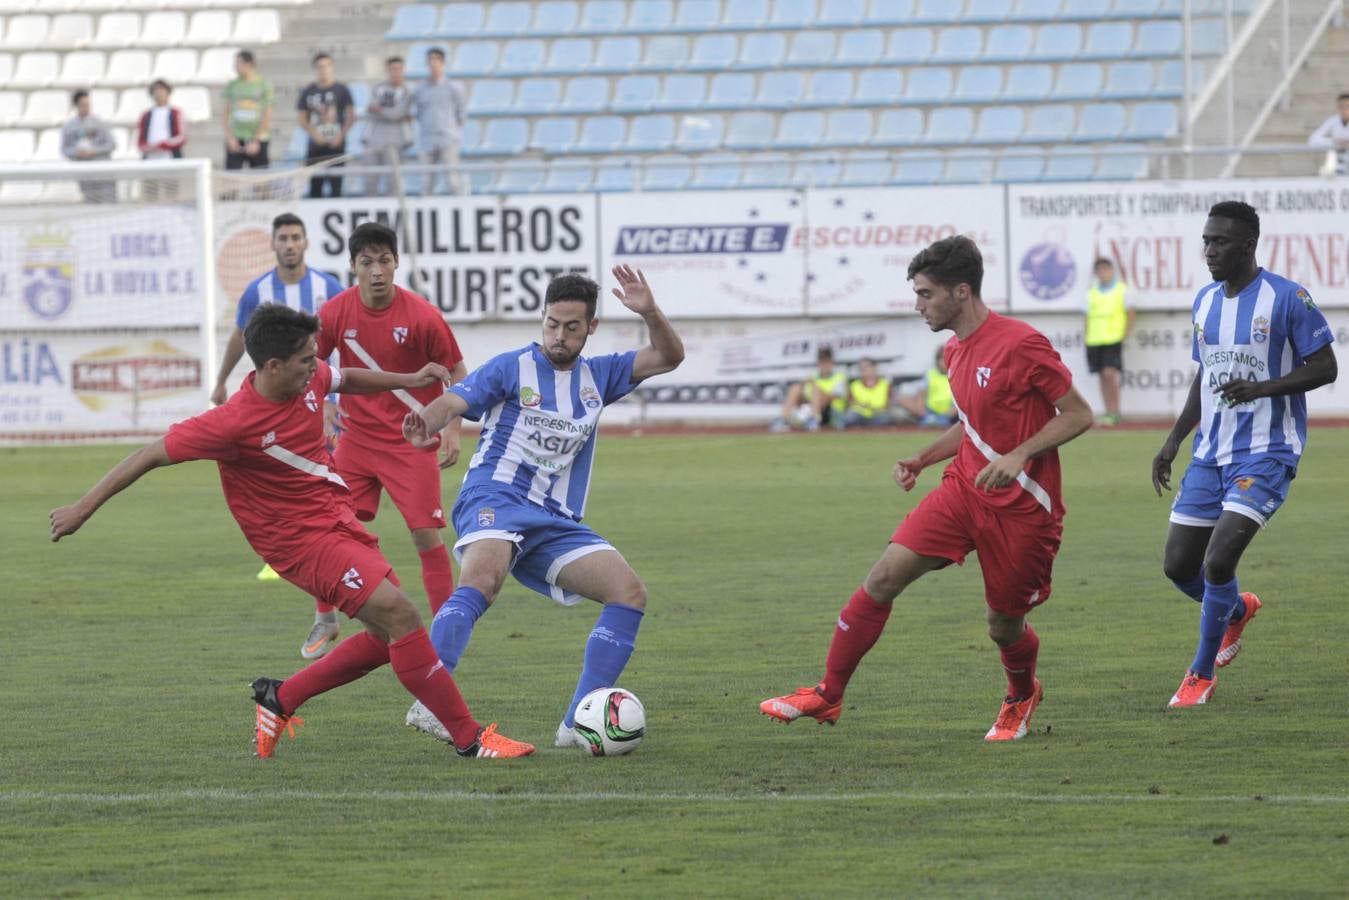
(1000, 498)
(377, 325)
(296, 512)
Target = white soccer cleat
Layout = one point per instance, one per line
(567, 737)
(422, 719)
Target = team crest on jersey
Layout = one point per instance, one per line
(400, 334)
(353, 580)
(981, 376)
(487, 517)
(268, 439)
(530, 397)
(1306, 299)
(1260, 330)
(311, 401)
(591, 398)
(350, 332)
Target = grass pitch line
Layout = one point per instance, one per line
(227, 795)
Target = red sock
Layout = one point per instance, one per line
(415, 663)
(437, 576)
(859, 625)
(1018, 660)
(358, 655)
(324, 609)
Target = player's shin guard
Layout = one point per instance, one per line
(1018, 661)
(453, 624)
(355, 657)
(1220, 603)
(607, 651)
(1194, 588)
(437, 576)
(859, 627)
(415, 663)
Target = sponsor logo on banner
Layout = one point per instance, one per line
(749, 237)
(1047, 271)
(48, 278)
(1260, 329)
(28, 362)
(133, 373)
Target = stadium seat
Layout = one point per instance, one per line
(602, 17)
(665, 52)
(979, 84)
(1152, 122)
(461, 20)
(1069, 164)
(1036, 10)
(1208, 37)
(193, 100)
(81, 68)
(1161, 39)
(1019, 165)
(1008, 43)
(538, 96)
(1136, 9)
(503, 137)
(28, 31)
(817, 170)
(898, 128)
(800, 130)
(666, 173)
(11, 108)
(681, 92)
(842, 13)
(566, 176)
(716, 172)
(879, 87)
(602, 134)
(130, 105)
(750, 131)
(744, 15)
(257, 26)
(780, 90)
(1171, 78)
(635, 93)
(860, 48)
(1078, 81)
(127, 67)
(999, 125)
(517, 179)
(1057, 41)
(713, 53)
(987, 12)
(654, 133)
(890, 12)
(938, 12)
(506, 19)
(216, 66)
(118, 29)
(928, 85)
(70, 30)
(36, 69)
(412, 23)
(829, 89)
(1109, 40)
(968, 167)
(762, 50)
(731, 90)
(949, 125)
(650, 16)
(766, 170)
(6, 67)
(917, 168)
(847, 128)
(617, 54)
(958, 45)
(175, 66)
(162, 29)
(616, 175)
(1026, 83)
(699, 133)
(585, 95)
(1128, 80)
(1121, 163)
(476, 58)
(45, 107)
(569, 56)
(554, 134)
(492, 97)
(209, 27)
(811, 49)
(48, 147)
(556, 18)
(1050, 124)
(1100, 122)
(472, 138)
(792, 14)
(521, 56)
(909, 46)
(697, 15)
(866, 169)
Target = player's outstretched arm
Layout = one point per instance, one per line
(1074, 418)
(68, 519)
(420, 429)
(449, 436)
(365, 381)
(1185, 423)
(666, 350)
(234, 351)
(906, 471)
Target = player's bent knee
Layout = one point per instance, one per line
(632, 594)
(389, 610)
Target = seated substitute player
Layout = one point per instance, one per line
(379, 326)
(869, 397)
(1000, 498)
(928, 401)
(519, 510)
(821, 398)
(296, 512)
(1261, 344)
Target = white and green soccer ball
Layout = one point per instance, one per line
(610, 721)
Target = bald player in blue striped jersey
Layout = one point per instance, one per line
(519, 510)
(1261, 344)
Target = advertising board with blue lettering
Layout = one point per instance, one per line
(795, 253)
(67, 268)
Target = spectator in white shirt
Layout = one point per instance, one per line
(1334, 135)
(161, 134)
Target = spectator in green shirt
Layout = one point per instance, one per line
(248, 115)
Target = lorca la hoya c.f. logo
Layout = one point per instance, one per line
(311, 401)
(981, 376)
(400, 334)
(1260, 329)
(590, 397)
(487, 517)
(352, 579)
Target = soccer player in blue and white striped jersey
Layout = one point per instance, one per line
(1261, 344)
(519, 511)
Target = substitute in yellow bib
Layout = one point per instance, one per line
(820, 399)
(868, 397)
(1109, 323)
(929, 402)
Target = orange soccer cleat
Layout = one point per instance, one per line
(805, 701)
(492, 745)
(1232, 637)
(271, 723)
(1193, 691)
(1014, 718)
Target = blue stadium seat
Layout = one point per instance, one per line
(938, 12)
(860, 48)
(928, 85)
(504, 137)
(817, 170)
(762, 50)
(617, 54)
(665, 52)
(1050, 124)
(958, 45)
(602, 134)
(518, 179)
(1208, 37)
(898, 128)
(1152, 122)
(602, 17)
(968, 167)
(651, 133)
(635, 93)
(1057, 41)
(585, 95)
(1019, 165)
(847, 128)
(812, 49)
(507, 19)
(949, 125)
(792, 14)
(699, 133)
(698, 15)
(1158, 39)
(1069, 164)
(1136, 9)
(522, 56)
(472, 138)
(570, 56)
(744, 15)
(731, 90)
(999, 125)
(461, 20)
(569, 177)
(682, 92)
(666, 173)
(1101, 122)
(554, 134)
(1109, 40)
(616, 174)
(415, 57)
(412, 23)
(650, 16)
(1078, 81)
(492, 97)
(800, 130)
(979, 84)
(716, 172)
(1008, 43)
(842, 13)
(713, 53)
(890, 12)
(1128, 80)
(866, 169)
(556, 18)
(1036, 10)
(766, 170)
(780, 90)
(987, 12)
(537, 96)
(1171, 78)
(879, 87)
(1126, 164)
(1029, 82)
(829, 89)
(909, 46)
(1085, 10)
(750, 131)
(475, 58)
(917, 168)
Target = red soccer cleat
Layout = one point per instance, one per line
(1014, 718)
(1193, 691)
(805, 701)
(1232, 638)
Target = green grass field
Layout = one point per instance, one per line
(125, 745)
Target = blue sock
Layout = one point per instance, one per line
(1194, 588)
(607, 651)
(1220, 602)
(453, 624)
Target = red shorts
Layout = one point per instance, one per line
(1016, 551)
(342, 568)
(411, 476)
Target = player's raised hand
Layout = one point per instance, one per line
(417, 432)
(431, 373)
(633, 291)
(906, 472)
(66, 520)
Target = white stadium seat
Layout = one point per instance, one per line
(36, 69)
(46, 108)
(48, 146)
(6, 67)
(81, 68)
(217, 65)
(11, 107)
(129, 67)
(175, 66)
(163, 29)
(118, 29)
(70, 30)
(257, 26)
(25, 32)
(195, 102)
(130, 105)
(17, 145)
(209, 28)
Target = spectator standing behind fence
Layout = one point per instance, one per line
(441, 112)
(1334, 135)
(326, 114)
(248, 115)
(1110, 321)
(390, 127)
(86, 138)
(161, 134)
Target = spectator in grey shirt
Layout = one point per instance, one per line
(441, 112)
(85, 137)
(390, 128)
(1334, 135)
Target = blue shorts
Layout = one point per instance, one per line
(1254, 488)
(545, 542)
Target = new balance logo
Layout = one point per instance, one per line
(269, 438)
(842, 625)
(352, 579)
(400, 334)
(981, 376)
(350, 332)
